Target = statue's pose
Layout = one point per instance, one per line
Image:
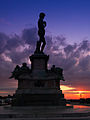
(41, 33)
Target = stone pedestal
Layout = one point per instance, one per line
(39, 62)
(39, 86)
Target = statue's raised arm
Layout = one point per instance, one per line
(41, 33)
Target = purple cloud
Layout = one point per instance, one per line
(73, 58)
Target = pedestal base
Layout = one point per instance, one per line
(39, 100)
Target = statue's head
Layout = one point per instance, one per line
(24, 64)
(17, 66)
(42, 15)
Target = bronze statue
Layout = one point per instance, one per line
(41, 33)
(20, 70)
(16, 72)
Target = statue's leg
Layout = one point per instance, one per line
(38, 47)
(39, 44)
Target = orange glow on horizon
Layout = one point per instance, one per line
(73, 93)
(80, 106)
(64, 87)
(68, 91)
(4, 93)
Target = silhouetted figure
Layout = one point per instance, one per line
(20, 70)
(41, 33)
(15, 73)
(58, 71)
(24, 68)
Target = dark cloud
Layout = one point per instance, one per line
(70, 49)
(30, 36)
(73, 58)
(13, 42)
(84, 63)
(58, 42)
(9, 43)
(3, 41)
(61, 40)
(85, 45)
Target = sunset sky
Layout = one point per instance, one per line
(67, 38)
